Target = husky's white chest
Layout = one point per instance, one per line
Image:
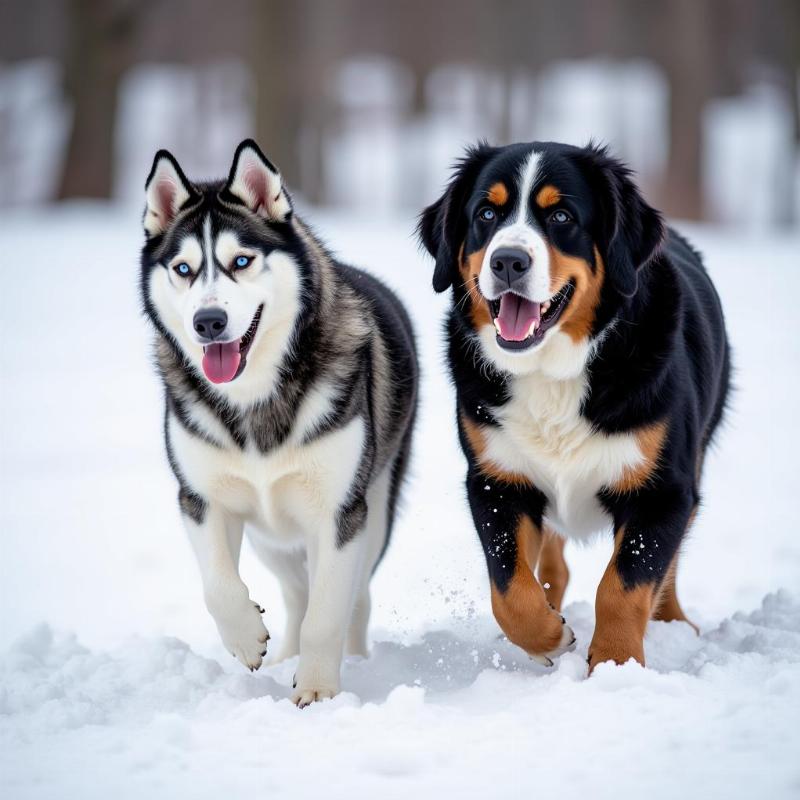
(283, 493)
(542, 435)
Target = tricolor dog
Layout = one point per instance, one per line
(291, 385)
(588, 350)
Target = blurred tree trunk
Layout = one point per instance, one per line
(689, 63)
(278, 101)
(99, 52)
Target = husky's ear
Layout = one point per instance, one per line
(167, 191)
(631, 230)
(442, 226)
(255, 181)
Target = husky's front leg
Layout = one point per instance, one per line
(335, 570)
(217, 540)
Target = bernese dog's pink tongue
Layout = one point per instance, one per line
(221, 361)
(516, 316)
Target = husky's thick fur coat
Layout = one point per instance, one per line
(291, 386)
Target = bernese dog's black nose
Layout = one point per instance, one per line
(510, 265)
(210, 323)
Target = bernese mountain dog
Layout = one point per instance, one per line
(588, 350)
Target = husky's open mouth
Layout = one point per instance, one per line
(224, 361)
(520, 323)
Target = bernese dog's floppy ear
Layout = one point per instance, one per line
(442, 225)
(632, 230)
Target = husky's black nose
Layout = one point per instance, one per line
(210, 323)
(510, 265)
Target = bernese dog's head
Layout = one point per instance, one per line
(542, 244)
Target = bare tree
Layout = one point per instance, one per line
(100, 49)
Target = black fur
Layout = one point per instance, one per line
(662, 351)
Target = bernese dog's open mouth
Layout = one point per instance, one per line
(520, 323)
(225, 361)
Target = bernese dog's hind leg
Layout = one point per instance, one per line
(667, 607)
(645, 549)
(553, 571)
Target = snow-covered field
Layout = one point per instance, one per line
(114, 682)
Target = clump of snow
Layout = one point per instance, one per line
(112, 678)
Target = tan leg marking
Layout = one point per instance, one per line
(667, 608)
(621, 617)
(553, 571)
(523, 611)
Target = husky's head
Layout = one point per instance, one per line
(222, 269)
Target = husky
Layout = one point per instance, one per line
(291, 388)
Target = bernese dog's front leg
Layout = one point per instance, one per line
(649, 530)
(508, 520)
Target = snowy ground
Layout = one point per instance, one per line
(114, 682)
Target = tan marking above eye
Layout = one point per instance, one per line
(548, 196)
(497, 194)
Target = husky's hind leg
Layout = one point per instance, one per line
(289, 567)
(375, 532)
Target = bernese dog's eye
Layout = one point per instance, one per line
(183, 269)
(486, 214)
(242, 262)
(560, 216)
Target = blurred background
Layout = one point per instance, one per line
(364, 104)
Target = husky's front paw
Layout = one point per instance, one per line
(316, 679)
(242, 630)
(303, 697)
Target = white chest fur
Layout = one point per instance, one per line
(543, 436)
(285, 493)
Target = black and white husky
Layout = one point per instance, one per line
(291, 386)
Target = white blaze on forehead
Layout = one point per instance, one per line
(208, 249)
(523, 234)
(528, 174)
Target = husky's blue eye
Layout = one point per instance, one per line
(242, 261)
(183, 269)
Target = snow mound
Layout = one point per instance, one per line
(459, 709)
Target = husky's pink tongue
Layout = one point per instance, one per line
(516, 316)
(220, 361)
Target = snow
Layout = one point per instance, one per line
(112, 679)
